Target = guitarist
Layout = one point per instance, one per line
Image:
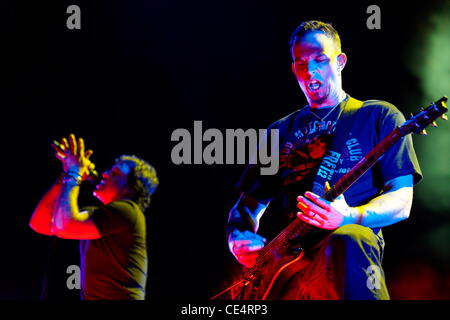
(319, 144)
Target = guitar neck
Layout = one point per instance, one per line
(270, 258)
(363, 165)
(297, 227)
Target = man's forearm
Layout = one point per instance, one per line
(68, 222)
(41, 220)
(67, 206)
(386, 209)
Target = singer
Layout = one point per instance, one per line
(113, 249)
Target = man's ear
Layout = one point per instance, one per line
(293, 67)
(341, 61)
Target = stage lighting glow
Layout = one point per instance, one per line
(429, 61)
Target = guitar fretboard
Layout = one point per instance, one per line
(297, 227)
(362, 166)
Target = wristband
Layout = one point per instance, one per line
(68, 176)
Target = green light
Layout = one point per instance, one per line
(429, 61)
(438, 241)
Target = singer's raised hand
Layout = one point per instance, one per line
(71, 152)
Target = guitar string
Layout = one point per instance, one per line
(278, 241)
(282, 237)
(288, 231)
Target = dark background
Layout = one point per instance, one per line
(136, 71)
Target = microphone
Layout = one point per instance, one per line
(93, 176)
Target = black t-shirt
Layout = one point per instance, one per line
(312, 152)
(114, 267)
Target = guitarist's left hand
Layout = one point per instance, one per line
(323, 214)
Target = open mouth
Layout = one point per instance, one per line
(314, 85)
(100, 184)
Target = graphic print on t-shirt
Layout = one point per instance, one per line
(337, 162)
(352, 139)
(303, 152)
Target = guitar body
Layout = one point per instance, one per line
(268, 282)
(276, 267)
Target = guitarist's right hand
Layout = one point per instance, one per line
(245, 246)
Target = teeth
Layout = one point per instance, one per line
(314, 85)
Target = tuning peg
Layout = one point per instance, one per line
(411, 115)
(423, 132)
(434, 124)
(444, 116)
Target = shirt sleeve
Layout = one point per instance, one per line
(115, 217)
(400, 159)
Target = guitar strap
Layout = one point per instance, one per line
(311, 235)
(345, 120)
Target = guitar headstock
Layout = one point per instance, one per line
(418, 122)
